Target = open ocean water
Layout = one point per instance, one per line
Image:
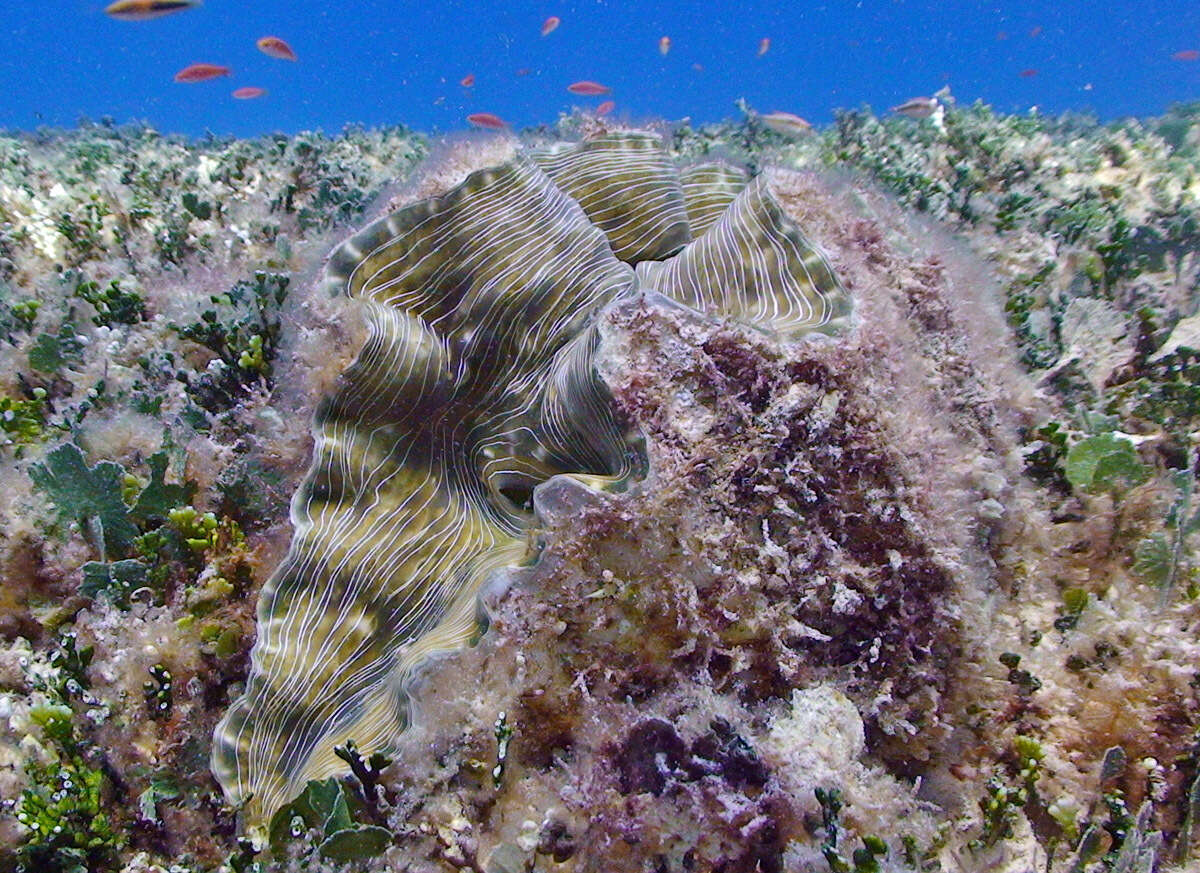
(401, 62)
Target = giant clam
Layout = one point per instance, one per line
(476, 384)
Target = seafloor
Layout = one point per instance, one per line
(920, 597)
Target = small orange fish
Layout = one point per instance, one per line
(1186, 55)
(201, 72)
(764, 46)
(1035, 31)
(468, 80)
(664, 45)
(550, 25)
(588, 89)
(144, 10)
(487, 120)
(606, 107)
(274, 47)
(786, 123)
(1028, 74)
(524, 71)
(249, 93)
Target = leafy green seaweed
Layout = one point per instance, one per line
(90, 496)
(163, 787)
(112, 304)
(63, 809)
(324, 807)
(241, 327)
(117, 580)
(1160, 557)
(1104, 462)
(23, 420)
(49, 352)
(158, 498)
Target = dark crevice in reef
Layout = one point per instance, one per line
(653, 756)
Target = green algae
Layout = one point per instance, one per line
(88, 496)
(330, 816)
(64, 809)
(23, 420)
(1104, 462)
(112, 304)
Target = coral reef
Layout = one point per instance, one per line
(920, 595)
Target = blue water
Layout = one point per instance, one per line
(400, 62)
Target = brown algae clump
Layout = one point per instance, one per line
(477, 383)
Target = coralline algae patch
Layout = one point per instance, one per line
(884, 597)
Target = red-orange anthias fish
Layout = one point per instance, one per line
(764, 46)
(588, 89)
(201, 72)
(274, 47)
(1186, 55)
(144, 10)
(664, 45)
(487, 120)
(550, 25)
(606, 107)
(468, 80)
(249, 93)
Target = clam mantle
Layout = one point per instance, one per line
(476, 384)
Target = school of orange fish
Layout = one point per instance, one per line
(144, 10)
(781, 122)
